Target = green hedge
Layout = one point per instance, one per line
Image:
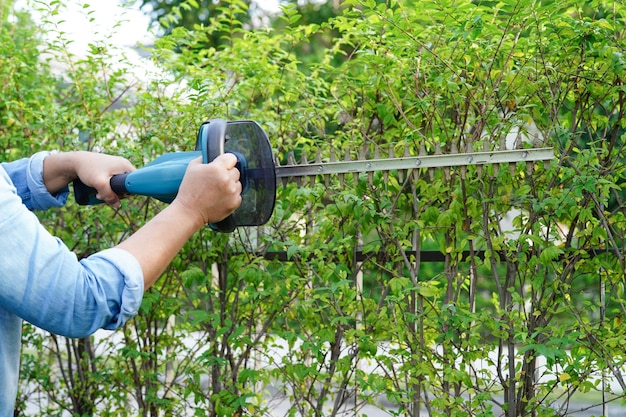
(531, 323)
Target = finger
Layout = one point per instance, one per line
(228, 160)
(129, 167)
(106, 193)
(117, 164)
(113, 202)
(235, 173)
(110, 198)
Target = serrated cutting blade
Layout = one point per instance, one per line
(412, 162)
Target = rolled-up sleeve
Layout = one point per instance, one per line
(128, 287)
(27, 177)
(43, 282)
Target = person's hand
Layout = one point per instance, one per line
(208, 193)
(93, 169)
(96, 170)
(211, 191)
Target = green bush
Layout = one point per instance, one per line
(515, 322)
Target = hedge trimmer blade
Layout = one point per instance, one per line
(414, 162)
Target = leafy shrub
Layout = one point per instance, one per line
(331, 307)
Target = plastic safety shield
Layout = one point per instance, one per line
(249, 142)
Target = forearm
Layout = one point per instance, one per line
(207, 194)
(59, 169)
(158, 241)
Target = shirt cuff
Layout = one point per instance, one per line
(40, 198)
(132, 288)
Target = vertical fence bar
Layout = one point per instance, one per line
(358, 282)
(605, 404)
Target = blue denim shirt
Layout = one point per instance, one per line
(41, 280)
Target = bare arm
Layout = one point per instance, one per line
(207, 194)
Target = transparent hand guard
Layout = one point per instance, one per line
(249, 142)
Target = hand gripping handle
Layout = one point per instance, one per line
(211, 138)
(85, 195)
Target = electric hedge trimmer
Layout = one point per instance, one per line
(161, 178)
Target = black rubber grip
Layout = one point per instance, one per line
(118, 184)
